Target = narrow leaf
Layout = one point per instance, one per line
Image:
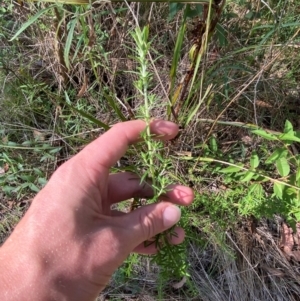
(194, 111)
(69, 42)
(254, 160)
(213, 144)
(288, 128)
(278, 189)
(264, 134)
(114, 105)
(86, 115)
(91, 118)
(177, 51)
(221, 34)
(231, 169)
(31, 21)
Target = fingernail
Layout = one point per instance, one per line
(171, 216)
(165, 128)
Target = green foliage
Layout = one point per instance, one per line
(19, 177)
(268, 184)
(31, 21)
(154, 165)
(69, 40)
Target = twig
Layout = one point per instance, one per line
(249, 263)
(255, 98)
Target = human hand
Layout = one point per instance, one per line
(70, 241)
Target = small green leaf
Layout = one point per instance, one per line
(55, 150)
(33, 187)
(298, 174)
(254, 160)
(256, 188)
(248, 176)
(278, 189)
(42, 181)
(27, 143)
(278, 153)
(265, 135)
(8, 189)
(231, 169)
(27, 178)
(249, 15)
(283, 166)
(288, 128)
(213, 144)
(289, 137)
(291, 191)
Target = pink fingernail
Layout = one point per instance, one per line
(171, 216)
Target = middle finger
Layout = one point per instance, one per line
(126, 185)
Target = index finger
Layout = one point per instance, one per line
(111, 146)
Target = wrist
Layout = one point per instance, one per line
(19, 274)
(34, 269)
(26, 274)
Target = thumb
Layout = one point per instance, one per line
(146, 222)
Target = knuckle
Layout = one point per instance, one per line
(147, 222)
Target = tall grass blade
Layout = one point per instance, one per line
(69, 42)
(196, 108)
(114, 105)
(176, 55)
(31, 21)
(202, 52)
(86, 115)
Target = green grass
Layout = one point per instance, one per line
(71, 72)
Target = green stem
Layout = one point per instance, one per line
(206, 159)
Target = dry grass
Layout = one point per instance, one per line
(251, 268)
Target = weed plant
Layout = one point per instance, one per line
(155, 165)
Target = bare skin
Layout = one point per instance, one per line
(70, 242)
